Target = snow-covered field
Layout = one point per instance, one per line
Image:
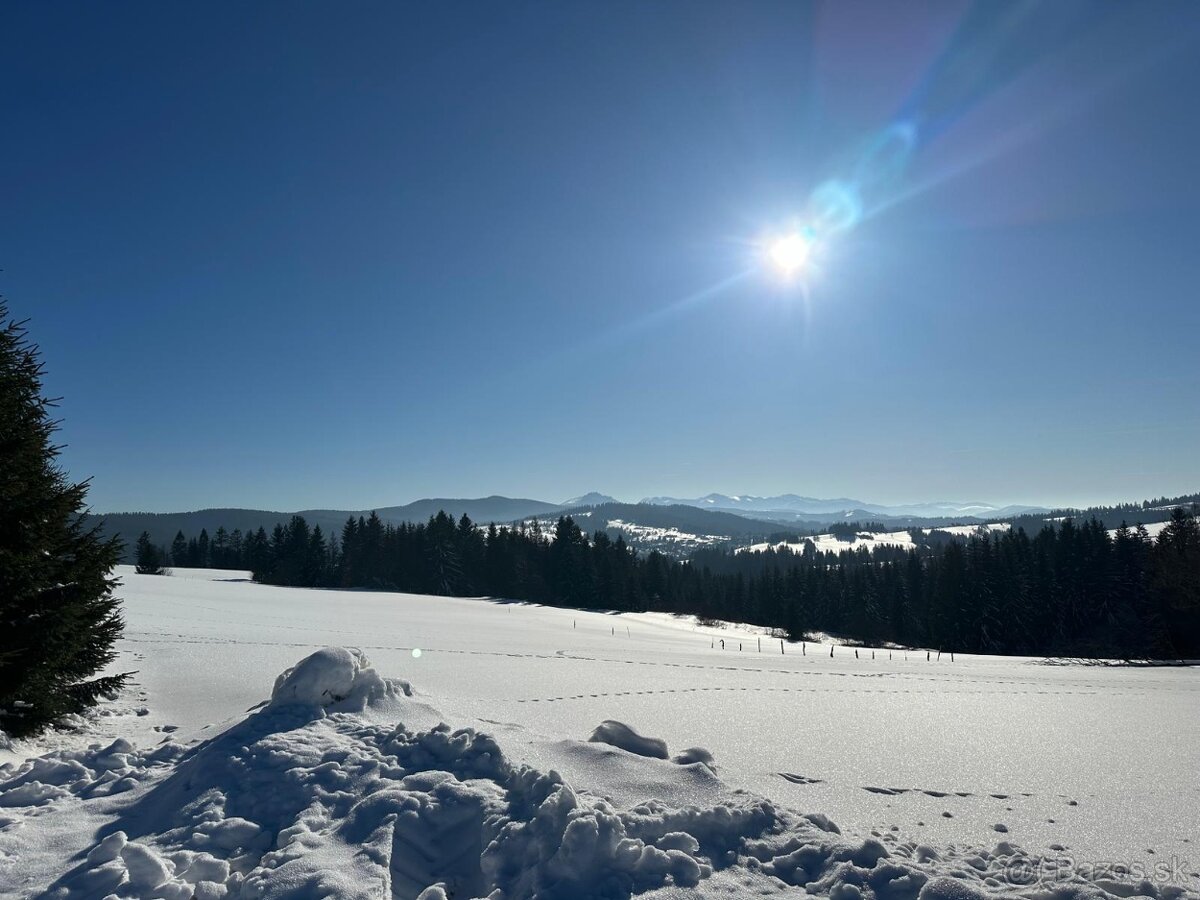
(986, 774)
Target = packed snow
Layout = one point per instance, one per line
(283, 742)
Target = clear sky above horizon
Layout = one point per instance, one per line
(312, 255)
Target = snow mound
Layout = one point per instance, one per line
(694, 755)
(334, 678)
(950, 889)
(288, 805)
(624, 737)
(620, 735)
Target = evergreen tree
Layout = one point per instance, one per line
(444, 560)
(572, 574)
(236, 550)
(149, 557)
(316, 560)
(349, 570)
(179, 550)
(58, 617)
(218, 553)
(1177, 582)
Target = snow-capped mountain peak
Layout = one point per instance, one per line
(591, 498)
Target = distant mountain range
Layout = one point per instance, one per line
(793, 507)
(685, 518)
(162, 527)
(670, 525)
(719, 515)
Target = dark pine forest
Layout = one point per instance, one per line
(1070, 590)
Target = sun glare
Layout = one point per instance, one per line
(790, 252)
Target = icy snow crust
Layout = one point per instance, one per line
(309, 798)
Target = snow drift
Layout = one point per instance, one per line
(618, 734)
(624, 737)
(322, 794)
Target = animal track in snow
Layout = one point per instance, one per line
(799, 779)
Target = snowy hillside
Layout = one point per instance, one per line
(828, 543)
(670, 541)
(868, 540)
(588, 754)
(971, 530)
(1154, 529)
(871, 540)
(675, 531)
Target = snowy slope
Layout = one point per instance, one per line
(972, 530)
(1154, 529)
(672, 541)
(908, 757)
(869, 540)
(828, 543)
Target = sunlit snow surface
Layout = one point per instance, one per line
(1095, 764)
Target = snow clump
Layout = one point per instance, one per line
(334, 678)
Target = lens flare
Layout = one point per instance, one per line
(790, 252)
(835, 206)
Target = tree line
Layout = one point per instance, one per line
(1148, 512)
(224, 550)
(1072, 590)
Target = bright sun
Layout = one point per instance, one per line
(790, 252)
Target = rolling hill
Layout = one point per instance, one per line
(162, 527)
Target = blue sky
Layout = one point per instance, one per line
(299, 255)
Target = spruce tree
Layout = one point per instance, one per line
(202, 550)
(149, 557)
(1177, 581)
(218, 553)
(58, 617)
